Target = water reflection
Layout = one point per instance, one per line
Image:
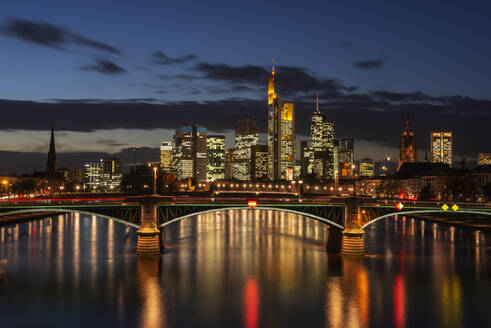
(242, 268)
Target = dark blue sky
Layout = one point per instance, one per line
(363, 57)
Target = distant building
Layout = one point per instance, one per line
(281, 135)
(216, 157)
(322, 143)
(484, 159)
(259, 162)
(407, 147)
(166, 156)
(441, 147)
(306, 159)
(246, 136)
(92, 176)
(105, 175)
(190, 153)
(367, 167)
(76, 176)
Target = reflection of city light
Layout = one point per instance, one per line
(251, 303)
(399, 302)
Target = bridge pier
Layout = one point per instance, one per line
(149, 236)
(334, 239)
(352, 242)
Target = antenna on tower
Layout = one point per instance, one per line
(273, 65)
(317, 102)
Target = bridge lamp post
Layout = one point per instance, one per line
(154, 180)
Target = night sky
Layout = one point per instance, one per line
(118, 76)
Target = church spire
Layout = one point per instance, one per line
(51, 165)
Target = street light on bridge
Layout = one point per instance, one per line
(154, 180)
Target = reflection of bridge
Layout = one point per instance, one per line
(345, 218)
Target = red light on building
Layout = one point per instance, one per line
(399, 206)
(252, 203)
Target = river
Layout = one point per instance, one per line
(242, 268)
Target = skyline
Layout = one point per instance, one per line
(357, 73)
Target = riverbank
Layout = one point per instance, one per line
(23, 217)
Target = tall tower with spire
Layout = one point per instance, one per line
(51, 165)
(407, 148)
(322, 141)
(281, 135)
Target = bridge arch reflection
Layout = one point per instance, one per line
(281, 210)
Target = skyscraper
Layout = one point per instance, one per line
(166, 156)
(346, 157)
(216, 157)
(441, 147)
(190, 153)
(322, 140)
(246, 136)
(52, 165)
(281, 135)
(407, 148)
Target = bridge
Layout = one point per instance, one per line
(345, 218)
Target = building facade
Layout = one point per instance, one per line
(216, 157)
(259, 162)
(281, 135)
(105, 175)
(441, 147)
(407, 147)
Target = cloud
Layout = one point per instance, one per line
(291, 80)
(251, 74)
(104, 66)
(160, 58)
(49, 35)
(369, 64)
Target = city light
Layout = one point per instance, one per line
(252, 203)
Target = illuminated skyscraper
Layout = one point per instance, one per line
(367, 167)
(216, 157)
(166, 156)
(246, 136)
(407, 148)
(322, 140)
(346, 157)
(281, 135)
(190, 153)
(441, 147)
